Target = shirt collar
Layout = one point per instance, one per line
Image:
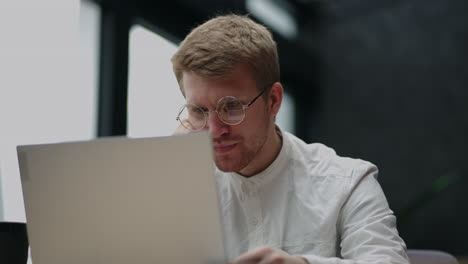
(266, 175)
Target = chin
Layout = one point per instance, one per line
(222, 166)
(228, 165)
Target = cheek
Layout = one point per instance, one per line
(250, 131)
(254, 124)
(258, 120)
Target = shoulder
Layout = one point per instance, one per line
(318, 174)
(322, 160)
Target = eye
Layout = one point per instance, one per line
(233, 105)
(195, 111)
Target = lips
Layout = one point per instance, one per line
(224, 148)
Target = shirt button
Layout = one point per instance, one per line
(254, 221)
(244, 188)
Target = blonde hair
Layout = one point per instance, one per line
(215, 47)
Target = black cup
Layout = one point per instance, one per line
(13, 243)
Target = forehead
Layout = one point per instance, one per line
(208, 90)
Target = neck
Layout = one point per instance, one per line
(266, 155)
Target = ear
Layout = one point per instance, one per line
(275, 98)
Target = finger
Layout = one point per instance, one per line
(274, 258)
(254, 256)
(182, 129)
(282, 258)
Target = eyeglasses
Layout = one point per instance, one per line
(229, 109)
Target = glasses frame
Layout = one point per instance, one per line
(207, 112)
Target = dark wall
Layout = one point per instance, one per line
(385, 81)
(393, 89)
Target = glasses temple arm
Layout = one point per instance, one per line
(255, 99)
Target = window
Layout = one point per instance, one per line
(285, 118)
(153, 93)
(48, 84)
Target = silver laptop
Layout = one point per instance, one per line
(121, 200)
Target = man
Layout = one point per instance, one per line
(282, 200)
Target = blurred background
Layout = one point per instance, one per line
(385, 81)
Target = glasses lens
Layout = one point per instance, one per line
(192, 117)
(230, 110)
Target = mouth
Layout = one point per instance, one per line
(224, 148)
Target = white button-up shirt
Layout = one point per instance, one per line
(313, 203)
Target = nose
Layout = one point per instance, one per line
(215, 126)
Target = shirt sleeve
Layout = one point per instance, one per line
(366, 226)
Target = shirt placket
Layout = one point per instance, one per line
(252, 209)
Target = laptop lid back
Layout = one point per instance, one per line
(121, 200)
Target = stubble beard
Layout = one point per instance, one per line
(244, 155)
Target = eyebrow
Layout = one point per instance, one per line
(242, 99)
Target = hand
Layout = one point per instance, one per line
(181, 129)
(268, 255)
